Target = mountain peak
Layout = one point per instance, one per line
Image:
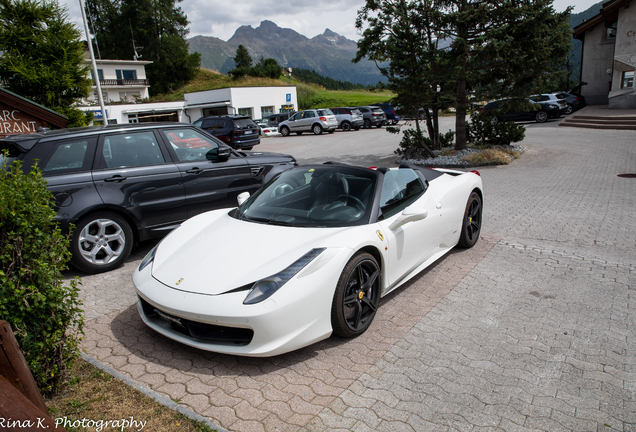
(329, 33)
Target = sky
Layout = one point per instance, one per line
(221, 18)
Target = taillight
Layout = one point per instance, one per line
(237, 132)
(373, 167)
(476, 172)
(392, 111)
(323, 119)
(374, 114)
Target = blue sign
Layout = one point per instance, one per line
(97, 114)
(288, 97)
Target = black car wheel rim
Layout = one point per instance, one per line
(361, 295)
(473, 220)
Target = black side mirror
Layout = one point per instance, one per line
(219, 154)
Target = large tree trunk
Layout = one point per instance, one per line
(427, 150)
(460, 115)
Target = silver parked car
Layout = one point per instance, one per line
(348, 118)
(552, 99)
(312, 120)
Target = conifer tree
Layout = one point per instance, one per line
(43, 57)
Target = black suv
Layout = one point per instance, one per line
(239, 132)
(120, 184)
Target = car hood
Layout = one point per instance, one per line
(214, 253)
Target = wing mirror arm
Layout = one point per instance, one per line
(242, 197)
(408, 216)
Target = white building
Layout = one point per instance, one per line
(121, 80)
(255, 102)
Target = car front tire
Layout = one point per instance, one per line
(541, 116)
(357, 296)
(569, 109)
(101, 242)
(471, 226)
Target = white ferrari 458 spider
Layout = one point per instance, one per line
(309, 254)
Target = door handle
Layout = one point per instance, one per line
(115, 178)
(195, 170)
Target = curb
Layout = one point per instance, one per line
(151, 393)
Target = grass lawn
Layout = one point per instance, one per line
(93, 395)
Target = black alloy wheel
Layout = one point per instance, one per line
(569, 109)
(471, 226)
(346, 126)
(367, 124)
(357, 296)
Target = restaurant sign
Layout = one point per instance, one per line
(15, 122)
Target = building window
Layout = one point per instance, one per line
(245, 112)
(126, 74)
(267, 111)
(104, 95)
(129, 96)
(628, 79)
(610, 31)
(100, 73)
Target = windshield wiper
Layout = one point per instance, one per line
(265, 220)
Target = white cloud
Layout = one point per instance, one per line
(308, 17)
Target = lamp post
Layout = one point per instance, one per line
(95, 74)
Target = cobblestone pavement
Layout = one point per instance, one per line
(532, 329)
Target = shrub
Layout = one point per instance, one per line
(44, 313)
(481, 131)
(493, 156)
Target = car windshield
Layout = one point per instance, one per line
(10, 150)
(322, 196)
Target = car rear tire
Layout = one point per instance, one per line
(357, 296)
(101, 242)
(367, 124)
(471, 225)
(316, 129)
(346, 126)
(284, 131)
(541, 116)
(494, 120)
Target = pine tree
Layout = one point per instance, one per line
(158, 29)
(243, 62)
(43, 56)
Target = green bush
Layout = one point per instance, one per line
(44, 313)
(481, 131)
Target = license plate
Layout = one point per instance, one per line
(248, 132)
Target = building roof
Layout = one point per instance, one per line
(35, 109)
(608, 14)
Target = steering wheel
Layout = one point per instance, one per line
(359, 204)
(281, 189)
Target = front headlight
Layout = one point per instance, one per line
(264, 288)
(148, 259)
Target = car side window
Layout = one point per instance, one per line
(297, 116)
(188, 144)
(69, 156)
(135, 149)
(210, 124)
(401, 187)
(309, 114)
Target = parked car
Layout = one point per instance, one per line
(312, 120)
(348, 118)
(276, 119)
(267, 130)
(334, 239)
(239, 132)
(573, 102)
(121, 184)
(544, 111)
(373, 116)
(390, 112)
(551, 98)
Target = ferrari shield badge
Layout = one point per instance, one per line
(179, 281)
(379, 233)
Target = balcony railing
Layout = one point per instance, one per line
(124, 82)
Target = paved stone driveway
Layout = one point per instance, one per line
(532, 329)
